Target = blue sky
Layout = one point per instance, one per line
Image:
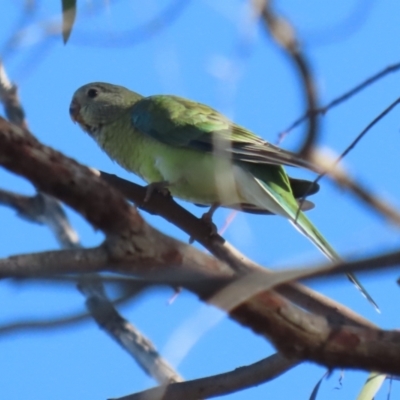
(197, 56)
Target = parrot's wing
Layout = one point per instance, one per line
(183, 123)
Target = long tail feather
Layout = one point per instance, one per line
(286, 205)
(305, 226)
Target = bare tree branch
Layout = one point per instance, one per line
(244, 288)
(342, 178)
(52, 323)
(126, 334)
(361, 193)
(360, 136)
(9, 98)
(194, 272)
(221, 384)
(55, 262)
(43, 324)
(284, 35)
(43, 209)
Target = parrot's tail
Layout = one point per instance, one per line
(272, 197)
(307, 228)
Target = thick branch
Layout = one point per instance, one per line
(64, 178)
(55, 262)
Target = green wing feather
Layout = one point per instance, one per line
(183, 123)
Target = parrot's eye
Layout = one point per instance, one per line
(92, 93)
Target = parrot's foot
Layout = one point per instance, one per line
(207, 218)
(161, 187)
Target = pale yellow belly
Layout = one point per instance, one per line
(198, 177)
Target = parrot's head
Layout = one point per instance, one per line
(97, 104)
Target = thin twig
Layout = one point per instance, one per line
(244, 288)
(360, 193)
(340, 177)
(53, 323)
(338, 100)
(10, 99)
(360, 136)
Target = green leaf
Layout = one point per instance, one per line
(371, 386)
(69, 14)
(317, 386)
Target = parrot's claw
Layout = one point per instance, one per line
(207, 218)
(161, 187)
(208, 221)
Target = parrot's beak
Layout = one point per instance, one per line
(74, 110)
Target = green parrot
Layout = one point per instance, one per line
(198, 155)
